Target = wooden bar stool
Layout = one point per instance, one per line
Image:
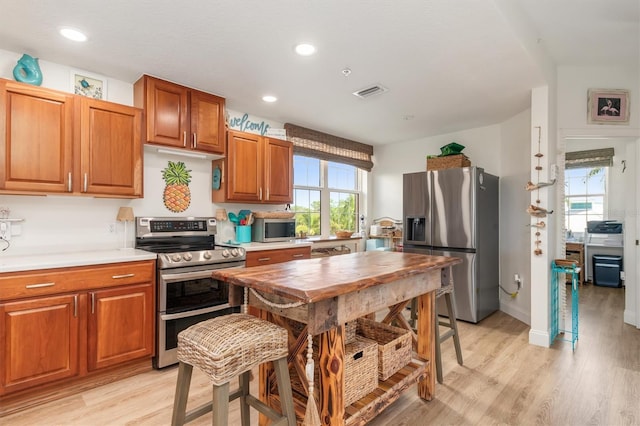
(447, 292)
(225, 347)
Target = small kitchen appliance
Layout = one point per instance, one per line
(186, 292)
(266, 230)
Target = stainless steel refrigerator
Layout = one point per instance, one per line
(454, 212)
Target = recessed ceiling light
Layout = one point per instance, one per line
(269, 98)
(73, 34)
(305, 49)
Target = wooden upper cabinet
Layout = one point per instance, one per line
(278, 171)
(55, 142)
(257, 170)
(110, 149)
(244, 157)
(181, 117)
(166, 108)
(37, 128)
(207, 122)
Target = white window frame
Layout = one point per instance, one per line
(605, 199)
(325, 190)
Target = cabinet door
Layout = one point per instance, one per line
(278, 171)
(37, 135)
(110, 149)
(167, 113)
(207, 122)
(39, 341)
(245, 167)
(120, 326)
(269, 257)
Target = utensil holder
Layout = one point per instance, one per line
(243, 233)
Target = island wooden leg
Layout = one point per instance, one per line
(426, 343)
(331, 386)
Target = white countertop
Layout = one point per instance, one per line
(53, 257)
(57, 259)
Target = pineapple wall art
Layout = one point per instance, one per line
(177, 195)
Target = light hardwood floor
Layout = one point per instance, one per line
(504, 380)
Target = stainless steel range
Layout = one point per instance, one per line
(186, 293)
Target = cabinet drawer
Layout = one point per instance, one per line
(268, 257)
(17, 285)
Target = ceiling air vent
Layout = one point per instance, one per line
(370, 91)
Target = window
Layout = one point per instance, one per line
(326, 196)
(585, 197)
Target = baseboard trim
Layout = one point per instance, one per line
(539, 338)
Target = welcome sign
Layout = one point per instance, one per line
(246, 123)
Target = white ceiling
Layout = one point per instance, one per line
(450, 65)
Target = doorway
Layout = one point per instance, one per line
(621, 204)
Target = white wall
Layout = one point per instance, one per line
(482, 146)
(573, 84)
(58, 77)
(514, 234)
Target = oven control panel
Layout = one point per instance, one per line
(148, 227)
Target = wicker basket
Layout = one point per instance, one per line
(350, 331)
(274, 215)
(360, 372)
(344, 234)
(360, 378)
(448, 162)
(394, 345)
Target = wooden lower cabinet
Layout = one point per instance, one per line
(39, 341)
(120, 325)
(54, 329)
(268, 257)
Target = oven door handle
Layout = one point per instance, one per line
(183, 276)
(169, 317)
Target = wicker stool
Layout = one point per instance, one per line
(225, 347)
(447, 292)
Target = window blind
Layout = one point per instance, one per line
(592, 158)
(312, 143)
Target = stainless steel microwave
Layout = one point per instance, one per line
(266, 230)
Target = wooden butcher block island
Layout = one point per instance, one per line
(325, 293)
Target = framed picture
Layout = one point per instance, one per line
(607, 106)
(85, 84)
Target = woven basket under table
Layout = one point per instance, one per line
(394, 345)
